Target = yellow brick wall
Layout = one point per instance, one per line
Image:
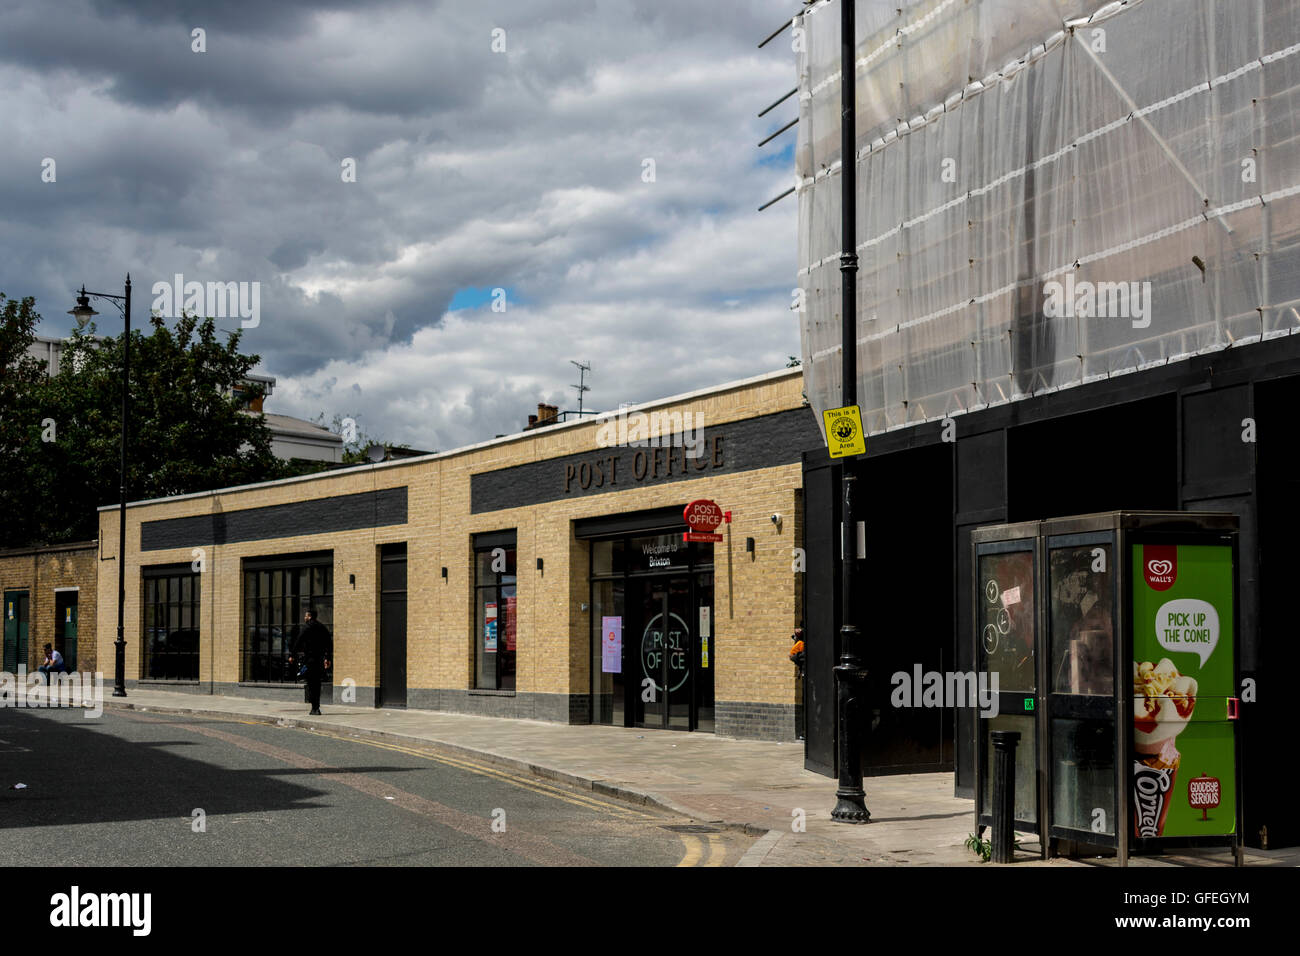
(39, 571)
(754, 599)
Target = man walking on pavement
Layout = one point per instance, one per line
(313, 647)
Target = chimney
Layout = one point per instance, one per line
(532, 421)
(546, 413)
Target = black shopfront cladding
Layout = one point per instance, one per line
(653, 652)
(1213, 433)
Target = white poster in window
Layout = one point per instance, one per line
(490, 626)
(704, 622)
(611, 645)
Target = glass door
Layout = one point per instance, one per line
(664, 648)
(1006, 629)
(679, 652)
(1081, 698)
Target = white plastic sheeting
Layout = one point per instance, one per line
(1047, 195)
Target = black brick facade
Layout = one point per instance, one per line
(369, 509)
(763, 442)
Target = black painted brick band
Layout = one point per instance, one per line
(738, 718)
(763, 442)
(368, 509)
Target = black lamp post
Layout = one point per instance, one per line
(850, 676)
(83, 314)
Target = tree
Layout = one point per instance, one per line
(20, 372)
(186, 430)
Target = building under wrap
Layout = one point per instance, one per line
(1007, 144)
(1079, 239)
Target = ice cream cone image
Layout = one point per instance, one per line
(1163, 701)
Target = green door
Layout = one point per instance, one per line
(65, 627)
(15, 617)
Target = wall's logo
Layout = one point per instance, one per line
(1160, 565)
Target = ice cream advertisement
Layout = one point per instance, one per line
(1183, 781)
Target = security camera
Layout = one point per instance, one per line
(776, 520)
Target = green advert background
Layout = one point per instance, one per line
(1204, 573)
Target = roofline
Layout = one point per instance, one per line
(49, 548)
(526, 435)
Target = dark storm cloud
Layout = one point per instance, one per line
(475, 169)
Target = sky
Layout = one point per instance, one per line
(598, 167)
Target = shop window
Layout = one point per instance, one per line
(496, 613)
(276, 593)
(171, 624)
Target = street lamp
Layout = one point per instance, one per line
(83, 314)
(850, 677)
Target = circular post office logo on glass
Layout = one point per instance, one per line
(656, 646)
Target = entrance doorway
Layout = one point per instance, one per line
(653, 648)
(665, 647)
(16, 616)
(392, 626)
(65, 627)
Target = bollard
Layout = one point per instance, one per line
(1004, 794)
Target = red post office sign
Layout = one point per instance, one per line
(1203, 794)
(703, 517)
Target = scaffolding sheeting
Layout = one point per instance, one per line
(1047, 196)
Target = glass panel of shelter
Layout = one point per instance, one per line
(1081, 706)
(1006, 625)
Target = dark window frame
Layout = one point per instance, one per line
(493, 585)
(162, 591)
(272, 601)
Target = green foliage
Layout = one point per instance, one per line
(794, 362)
(354, 451)
(186, 432)
(984, 848)
(19, 374)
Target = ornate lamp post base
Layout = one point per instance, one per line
(851, 800)
(851, 808)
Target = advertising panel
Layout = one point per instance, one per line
(1184, 772)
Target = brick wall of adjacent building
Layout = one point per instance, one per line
(755, 596)
(39, 572)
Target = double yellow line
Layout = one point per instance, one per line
(695, 850)
(578, 800)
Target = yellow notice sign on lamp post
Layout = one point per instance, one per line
(844, 431)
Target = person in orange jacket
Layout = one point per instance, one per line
(798, 654)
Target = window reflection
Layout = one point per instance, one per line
(1006, 619)
(1082, 607)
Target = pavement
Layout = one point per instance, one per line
(758, 786)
